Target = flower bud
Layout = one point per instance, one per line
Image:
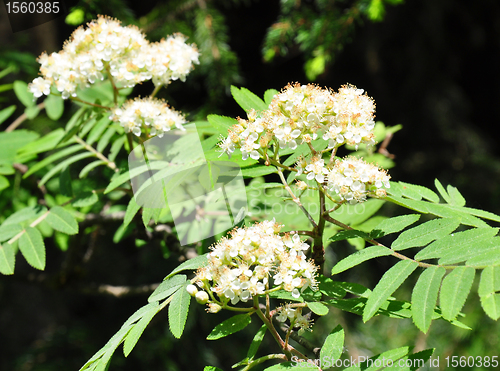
(213, 308)
(201, 297)
(192, 290)
(301, 185)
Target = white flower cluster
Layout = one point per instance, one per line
(299, 114)
(138, 114)
(105, 47)
(295, 316)
(353, 179)
(240, 267)
(354, 121)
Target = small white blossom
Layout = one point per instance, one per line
(105, 47)
(353, 179)
(39, 87)
(303, 113)
(316, 170)
(138, 114)
(240, 267)
(191, 289)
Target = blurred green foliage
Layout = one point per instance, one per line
(318, 30)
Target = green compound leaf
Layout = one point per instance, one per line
(54, 107)
(178, 311)
(23, 94)
(389, 283)
(425, 233)
(456, 197)
(442, 191)
(491, 306)
(490, 281)
(84, 199)
(334, 345)
(65, 183)
(4, 183)
(412, 362)
(424, 297)
(454, 291)
(489, 258)
(167, 288)
(7, 259)
(466, 215)
(138, 314)
(360, 257)
(331, 288)
(56, 169)
(97, 130)
(136, 332)
(62, 220)
(32, 247)
(462, 253)
(89, 167)
(105, 139)
(45, 143)
(347, 234)
(257, 170)
(30, 212)
(318, 308)
(7, 231)
(132, 210)
(257, 340)
(221, 123)
(212, 368)
(472, 238)
(100, 360)
(191, 264)
(6, 113)
(381, 360)
(247, 100)
(230, 326)
(489, 286)
(412, 191)
(394, 225)
(54, 157)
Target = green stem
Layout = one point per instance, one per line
(296, 199)
(98, 154)
(115, 90)
(238, 309)
(21, 119)
(260, 360)
(76, 99)
(270, 327)
(131, 142)
(156, 90)
(393, 253)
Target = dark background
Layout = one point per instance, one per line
(431, 65)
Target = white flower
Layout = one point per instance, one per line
(136, 115)
(353, 179)
(316, 170)
(287, 136)
(201, 297)
(239, 267)
(191, 289)
(105, 47)
(227, 146)
(39, 87)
